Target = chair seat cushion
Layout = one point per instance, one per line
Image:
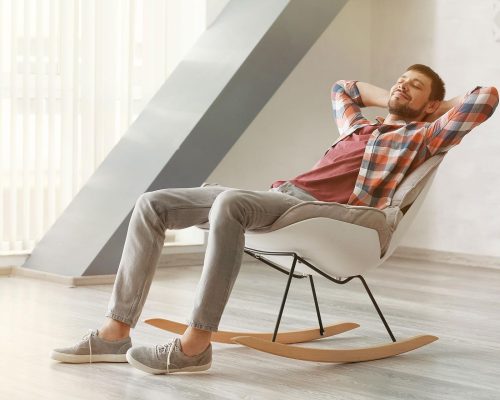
(368, 217)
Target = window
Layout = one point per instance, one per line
(74, 75)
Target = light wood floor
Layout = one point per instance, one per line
(458, 304)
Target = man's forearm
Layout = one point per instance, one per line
(373, 96)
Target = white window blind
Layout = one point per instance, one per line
(73, 75)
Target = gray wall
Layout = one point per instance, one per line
(375, 44)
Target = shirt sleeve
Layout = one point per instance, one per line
(347, 103)
(448, 130)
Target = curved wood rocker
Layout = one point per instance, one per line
(336, 355)
(284, 337)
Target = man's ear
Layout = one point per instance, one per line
(432, 110)
(432, 106)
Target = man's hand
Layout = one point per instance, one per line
(373, 96)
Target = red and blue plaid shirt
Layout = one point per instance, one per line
(395, 150)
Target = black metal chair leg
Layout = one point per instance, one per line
(321, 330)
(290, 276)
(377, 307)
(254, 252)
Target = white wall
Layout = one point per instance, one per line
(455, 37)
(375, 41)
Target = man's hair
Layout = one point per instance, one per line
(437, 86)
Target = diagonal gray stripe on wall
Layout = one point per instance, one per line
(185, 131)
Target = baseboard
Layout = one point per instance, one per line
(5, 270)
(46, 276)
(168, 259)
(465, 259)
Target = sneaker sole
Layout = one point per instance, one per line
(83, 359)
(132, 361)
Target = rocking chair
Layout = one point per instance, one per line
(323, 238)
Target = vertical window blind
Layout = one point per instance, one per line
(73, 75)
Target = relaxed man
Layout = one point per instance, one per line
(363, 167)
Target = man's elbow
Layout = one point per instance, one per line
(339, 86)
(487, 98)
(493, 98)
(494, 94)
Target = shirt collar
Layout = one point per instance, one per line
(380, 120)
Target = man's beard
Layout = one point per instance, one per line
(404, 111)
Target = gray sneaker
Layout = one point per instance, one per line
(93, 349)
(168, 358)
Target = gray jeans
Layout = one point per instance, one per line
(229, 212)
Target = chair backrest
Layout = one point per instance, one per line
(409, 189)
(409, 197)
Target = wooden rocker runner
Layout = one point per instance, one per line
(323, 239)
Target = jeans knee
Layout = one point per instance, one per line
(230, 203)
(151, 202)
(145, 200)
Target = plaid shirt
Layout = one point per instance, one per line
(395, 150)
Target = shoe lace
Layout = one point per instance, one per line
(168, 349)
(88, 338)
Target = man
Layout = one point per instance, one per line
(363, 167)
